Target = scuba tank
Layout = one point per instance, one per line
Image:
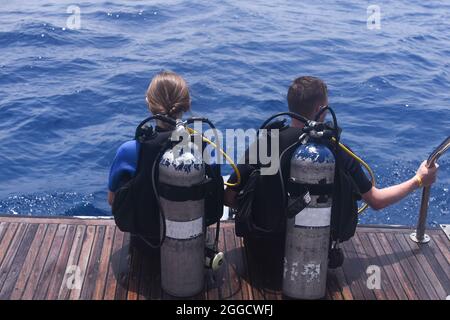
(182, 252)
(309, 200)
(182, 189)
(308, 230)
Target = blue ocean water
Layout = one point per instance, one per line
(69, 98)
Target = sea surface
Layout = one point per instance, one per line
(70, 96)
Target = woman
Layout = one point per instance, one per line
(167, 94)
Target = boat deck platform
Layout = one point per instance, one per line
(81, 258)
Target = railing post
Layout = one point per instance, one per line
(419, 236)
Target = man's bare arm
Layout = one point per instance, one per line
(382, 198)
(375, 198)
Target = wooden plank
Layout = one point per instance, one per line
(60, 266)
(86, 221)
(417, 249)
(390, 283)
(368, 257)
(230, 247)
(18, 262)
(39, 263)
(417, 269)
(437, 262)
(124, 269)
(102, 273)
(342, 284)
(83, 260)
(92, 271)
(50, 264)
(404, 260)
(443, 244)
(398, 268)
(3, 227)
(11, 253)
(6, 241)
(135, 273)
(114, 261)
(70, 272)
(354, 271)
(29, 262)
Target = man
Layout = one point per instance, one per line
(306, 96)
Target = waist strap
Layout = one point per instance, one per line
(297, 189)
(183, 193)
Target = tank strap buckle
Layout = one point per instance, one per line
(297, 204)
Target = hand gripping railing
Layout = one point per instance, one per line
(419, 236)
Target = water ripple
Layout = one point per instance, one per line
(69, 98)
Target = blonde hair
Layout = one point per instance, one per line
(168, 94)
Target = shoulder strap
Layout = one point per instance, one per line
(150, 147)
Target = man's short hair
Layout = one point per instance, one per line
(305, 93)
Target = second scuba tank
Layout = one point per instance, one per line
(181, 175)
(312, 170)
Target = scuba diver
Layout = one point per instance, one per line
(134, 186)
(264, 228)
(164, 194)
(167, 94)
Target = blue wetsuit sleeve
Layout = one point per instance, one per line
(124, 165)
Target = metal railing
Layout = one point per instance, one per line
(419, 236)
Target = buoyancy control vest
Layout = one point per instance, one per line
(135, 207)
(263, 202)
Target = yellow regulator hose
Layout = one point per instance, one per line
(233, 165)
(365, 165)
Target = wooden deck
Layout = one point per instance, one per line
(36, 255)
